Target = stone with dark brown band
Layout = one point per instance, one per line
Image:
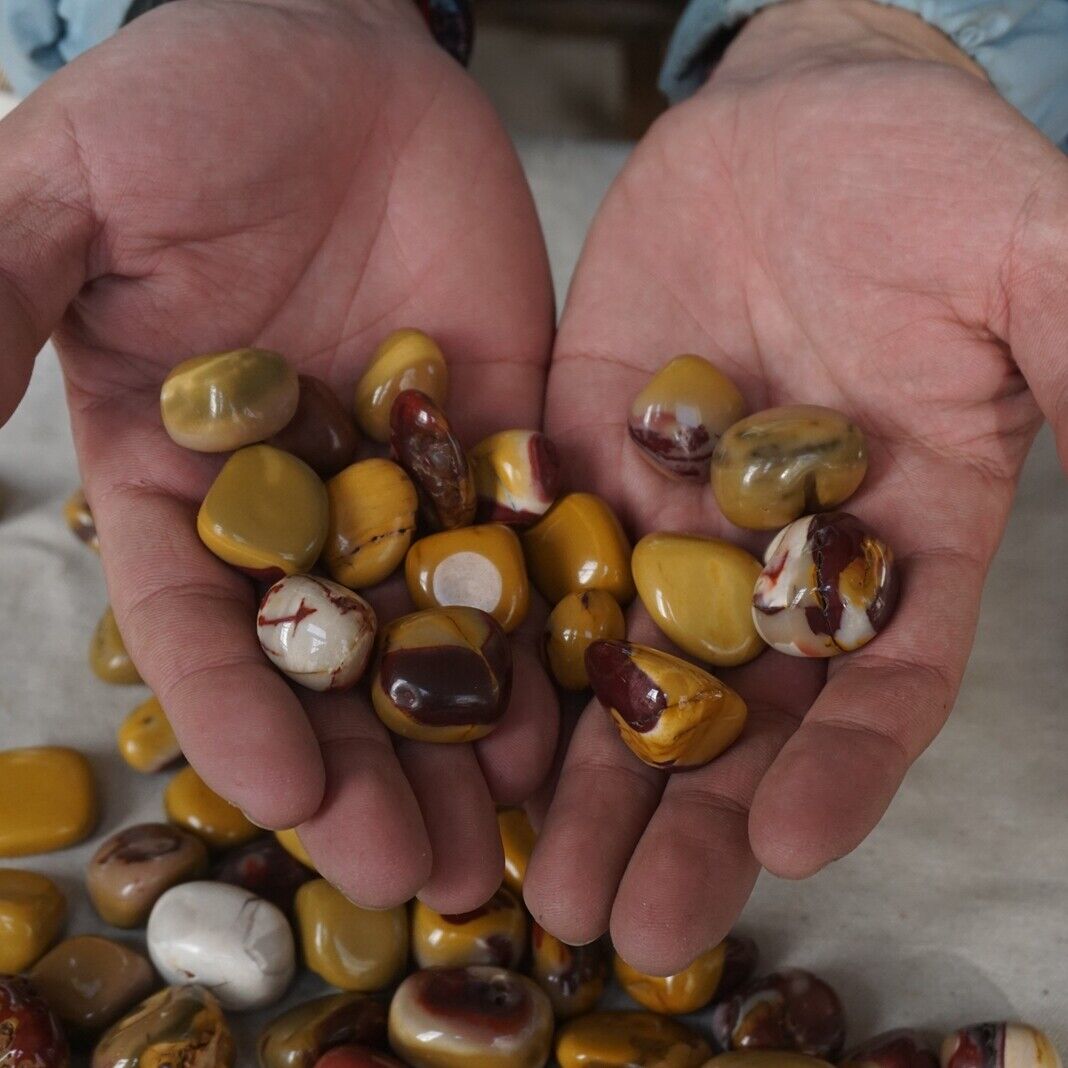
(621, 685)
(300, 1036)
(892, 1049)
(267, 869)
(573, 977)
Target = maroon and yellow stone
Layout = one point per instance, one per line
(146, 739)
(629, 1040)
(517, 840)
(356, 1057)
(32, 913)
(108, 656)
(265, 868)
(999, 1045)
(578, 621)
(79, 517)
(30, 1033)
(190, 803)
(766, 1058)
(302, 1034)
(494, 933)
(321, 432)
(517, 476)
(573, 977)
(892, 1049)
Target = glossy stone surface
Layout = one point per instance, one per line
(677, 419)
(108, 656)
(425, 446)
(406, 359)
(190, 803)
(670, 713)
(481, 567)
(579, 545)
(236, 944)
(476, 1017)
(829, 585)
(316, 632)
(321, 432)
(573, 977)
(290, 841)
(350, 947)
(999, 1045)
(30, 1034)
(787, 1010)
(90, 982)
(629, 1040)
(179, 1027)
(146, 740)
(442, 675)
(79, 518)
(517, 840)
(372, 521)
(301, 1035)
(517, 476)
(224, 400)
(132, 868)
(578, 621)
(764, 1058)
(699, 592)
(356, 1057)
(32, 913)
(264, 868)
(47, 799)
(782, 463)
(494, 933)
(894, 1049)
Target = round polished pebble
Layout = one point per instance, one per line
(829, 585)
(573, 977)
(406, 359)
(316, 632)
(79, 518)
(782, 463)
(668, 712)
(475, 1017)
(578, 621)
(190, 803)
(517, 841)
(894, 1049)
(481, 567)
(579, 545)
(629, 1040)
(494, 933)
(32, 913)
(90, 982)
(132, 868)
(290, 841)
(372, 521)
(442, 675)
(236, 944)
(356, 1057)
(302, 1034)
(517, 476)
(47, 800)
(679, 416)
(999, 1045)
(350, 947)
(765, 1058)
(108, 656)
(224, 400)
(264, 868)
(787, 1010)
(30, 1033)
(146, 739)
(179, 1027)
(321, 432)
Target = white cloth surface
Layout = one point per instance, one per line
(953, 911)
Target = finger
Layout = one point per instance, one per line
(571, 706)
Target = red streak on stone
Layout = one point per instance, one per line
(302, 613)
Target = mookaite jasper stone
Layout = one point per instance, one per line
(266, 869)
(481, 567)
(765, 1058)
(699, 592)
(494, 933)
(629, 1040)
(133, 867)
(442, 675)
(30, 1034)
(350, 947)
(79, 518)
(146, 740)
(573, 977)
(224, 400)
(517, 476)
(476, 1017)
(406, 359)
(90, 982)
(578, 621)
(32, 913)
(517, 840)
(579, 545)
(47, 800)
(290, 841)
(190, 803)
(108, 656)
(894, 1049)
(999, 1045)
(372, 520)
(782, 463)
(300, 1036)
(321, 432)
(670, 713)
(679, 416)
(356, 1057)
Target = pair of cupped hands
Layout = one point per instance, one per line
(847, 214)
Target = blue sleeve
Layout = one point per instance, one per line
(1021, 44)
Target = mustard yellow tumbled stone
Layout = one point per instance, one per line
(629, 1040)
(79, 517)
(266, 513)
(146, 739)
(291, 843)
(190, 803)
(517, 838)
(32, 913)
(573, 626)
(47, 800)
(765, 1058)
(108, 656)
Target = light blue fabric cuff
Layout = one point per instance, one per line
(1021, 44)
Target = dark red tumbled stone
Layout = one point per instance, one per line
(893, 1049)
(30, 1034)
(321, 433)
(267, 869)
(618, 683)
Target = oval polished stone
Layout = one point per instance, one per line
(224, 400)
(517, 476)
(266, 869)
(316, 632)
(90, 982)
(302, 1034)
(372, 521)
(146, 739)
(494, 933)
(406, 359)
(578, 621)
(517, 841)
(30, 1034)
(668, 712)
(32, 913)
(476, 1017)
(893, 1049)
(108, 656)
(699, 592)
(179, 1027)
(79, 517)
(442, 675)
(481, 567)
(350, 947)
(829, 585)
(356, 1057)
(765, 1058)
(573, 977)
(579, 545)
(629, 1040)
(47, 800)
(321, 432)
(132, 868)
(999, 1045)
(236, 944)
(290, 841)
(191, 804)
(425, 446)
(782, 463)
(679, 416)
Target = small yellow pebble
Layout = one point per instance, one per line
(578, 621)
(32, 913)
(108, 656)
(290, 841)
(146, 739)
(517, 838)
(190, 803)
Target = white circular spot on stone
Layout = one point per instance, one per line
(468, 579)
